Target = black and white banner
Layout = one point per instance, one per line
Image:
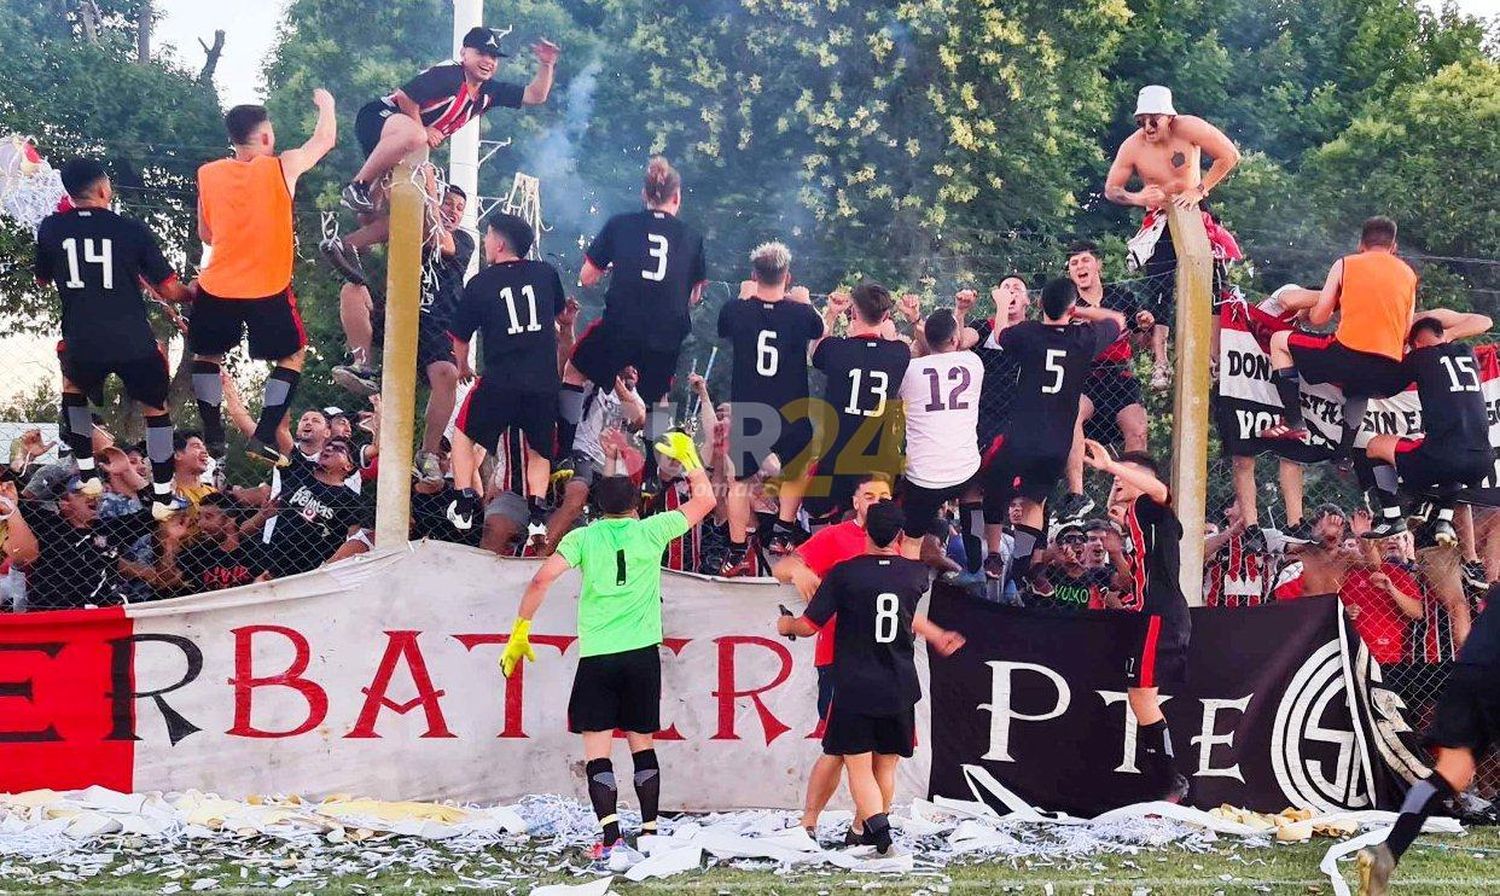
(1283, 709)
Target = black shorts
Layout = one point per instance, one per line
(1323, 359)
(1112, 389)
(494, 405)
(922, 505)
(434, 345)
(146, 378)
(849, 734)
(825, 690)
(604, 350)
(1423, 464)
(369, 123)
(617, 690)
(793, 439)
(1468, 711)
(1158, 658)
(1013, 468)
(217, 325)
(1160, 274)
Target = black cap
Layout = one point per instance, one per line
(485, 40)
(517, 233)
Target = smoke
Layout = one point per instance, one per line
(570, 202)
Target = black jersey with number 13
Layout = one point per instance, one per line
(864, 382)
(657, 260)
(875, 597)
(1053, 362)
(770, 342)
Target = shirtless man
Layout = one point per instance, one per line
(1326, 561)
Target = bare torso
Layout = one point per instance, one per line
(1324, 569)
(1174, 164)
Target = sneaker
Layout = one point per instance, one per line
(1444, 534)
(783, 539)
(880, 838)
(738, 567)
(1285, 432)
(462, 509)
(258, 450)
(1475, 575)
(650, 488)
(1041, 586)
(1387, 527)
(536, 530)
(565, 470)
(428, 469)
(343, 260)
(356, 197)
(1255, 540)
(1177, 791)
(1074, 506)
(91, 487)
(1375, 867)
(164, 507)
(358, 379)
(854, 838)
(1298, 533)
(601, 850)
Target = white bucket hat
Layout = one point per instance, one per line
(1154, 99)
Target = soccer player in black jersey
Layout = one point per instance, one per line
(864, 372)
(1055, 357)
(98, 260)
(1465, 725)
(1142, 504)
(432, 106)
(1454, 451)
(872, 722)
(656, 274)
(770, 333)
(514, 304)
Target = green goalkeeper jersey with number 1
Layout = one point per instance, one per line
(619, 606)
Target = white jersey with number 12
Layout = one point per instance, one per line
(941, 398)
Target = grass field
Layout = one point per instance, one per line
(1438, 866)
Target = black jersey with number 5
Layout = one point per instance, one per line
(875, 597)
(515, 305)
(657, 260)
(864, 382)
(1054, 362)
(770, 341)
(97, 260)
(1454, 417)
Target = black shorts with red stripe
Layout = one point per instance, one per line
(1323, 359)
(1159, 656)
(1013, 468)
(493, 406)
(274, 324)
(1422, 463)
(605, 349)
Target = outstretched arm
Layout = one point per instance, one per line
(1459, 325)
(1097, 456)
(541, 85)
(942, 640)
(536, 591)
(296, 162)
(1328, 300)
(1214, 142)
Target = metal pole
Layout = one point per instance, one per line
(1195, 284)
(398, 384)
(463, 146)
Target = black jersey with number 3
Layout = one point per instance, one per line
(1454, 417)
(657, 260)
(770, 341)
(1053, 363)
(875, 597)
(97, 260)
(864, 382)
(515, 305)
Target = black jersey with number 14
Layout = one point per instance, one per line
(657, 261)
(1454, 416)
(770, 341)
(1054, 362)
(875, 597)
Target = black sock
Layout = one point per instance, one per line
(878, 831)
(647, 787)
(605, 796)
(1289, 387)
(1423, 798)
(1027, 538)
(1156, 744)
(280, 386)
(159, 449)
(208, 389)
(78, 433)
(570, 406)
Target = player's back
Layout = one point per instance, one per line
(1054, 362)
(877, 597)
(770, 341)
(514, 305)
(248, 212)
(940, 394)
(864, 375)
(1454, 416)
(657, 260)
(97, 259)
(1376, 301)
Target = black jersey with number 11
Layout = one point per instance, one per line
(875, 597)
(1054, 362)
(657, 261)
(515, 305)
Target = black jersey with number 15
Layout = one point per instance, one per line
(875, 597)
(1053, 362)
(1454, 416)
(657, 260)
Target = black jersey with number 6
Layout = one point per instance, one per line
(97, 260)
(864, 382)
(875, 597)
(770, 341)
(515, 304)
(1454, 417)
(1054, 362)
(658, 260)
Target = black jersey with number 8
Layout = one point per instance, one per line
(657, 261)
(875, 597)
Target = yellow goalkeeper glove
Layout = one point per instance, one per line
(679, 447)
(517, 648)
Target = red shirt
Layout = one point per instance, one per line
(1380, 623)
(825, 550)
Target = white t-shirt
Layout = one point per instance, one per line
(603, 410)
(941, 397)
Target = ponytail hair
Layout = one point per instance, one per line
(662, 181)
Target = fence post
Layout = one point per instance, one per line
(398, 381)
(1194, 334)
